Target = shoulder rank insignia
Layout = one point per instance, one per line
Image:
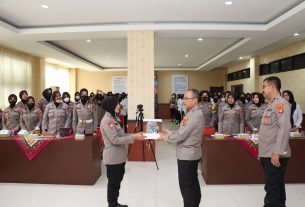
(111, 124)
(280, 108)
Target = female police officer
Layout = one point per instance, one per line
(115, 152)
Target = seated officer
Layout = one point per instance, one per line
(231, 118)
(31, 116)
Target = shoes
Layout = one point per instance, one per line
(117, 205)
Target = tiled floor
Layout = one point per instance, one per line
(143, 186)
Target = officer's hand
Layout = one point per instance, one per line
(139, 136)
(275, 160)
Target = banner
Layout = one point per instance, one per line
(119, 84)
(179, 84)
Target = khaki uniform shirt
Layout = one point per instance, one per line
(274, 129)
(11, 119)
(84, 118)
(42, 104)
(209, 112)
(21, 105)
(115, 140)
(56, 117)
(189, 135)
(29, 120)
(231, 121)
(254, 116)
(70, 110)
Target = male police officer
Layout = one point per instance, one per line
(274, 149)
(188, 139)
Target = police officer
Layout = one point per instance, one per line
(99, 109)
(47, 98)
(23, 95)
(188, 139)
(273, 144)
(84, 115)
(31, 116)
(231, 118)
(209, 110)
(66, 98)
(56, 115)
(11, 115)
(255, 111)
(115, 151)
(76, 97)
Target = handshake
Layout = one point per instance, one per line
(162, 135)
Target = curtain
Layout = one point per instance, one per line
(15, 74)
(57, 76)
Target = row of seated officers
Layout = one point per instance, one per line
(233, 116)
(53, 112)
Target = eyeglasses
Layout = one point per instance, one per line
(185, 98)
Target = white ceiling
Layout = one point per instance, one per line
(247, 27)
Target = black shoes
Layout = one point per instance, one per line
(117, 205)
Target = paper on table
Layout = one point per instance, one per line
(151, 136)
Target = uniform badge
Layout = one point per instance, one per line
(111, 124)
(185, 121)
(280, 108)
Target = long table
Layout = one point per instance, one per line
(227, 162)
(60, 162)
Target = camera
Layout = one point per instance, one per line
(140, 108)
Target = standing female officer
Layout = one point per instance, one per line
(115, 151)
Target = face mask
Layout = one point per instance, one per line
(31, 106)
(23, 101)
(223, 99)
(84, 98)
(77, 98)
(58, 101)
(205, 99)
(12, 103)
(66, 100)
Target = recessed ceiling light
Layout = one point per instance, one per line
(240, 58)
(179, 64)
(296, 34)
(199, 39)
(186, 56)
(228, 3)
(88, 41)
(44, 6)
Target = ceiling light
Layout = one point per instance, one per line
(88, 41)
(240, 58)
(44, 6)
(296, 34)
(228, 3)
(179, 65)
(199, 39)
(186, 56)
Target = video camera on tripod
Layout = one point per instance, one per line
(139, 108)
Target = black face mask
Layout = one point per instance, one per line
(48, 96)
(84, 99)
(23, 101)
(31, 106)
(12, 103)
(205, 99)
(231, 105)
(243, 100)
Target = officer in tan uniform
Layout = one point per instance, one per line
(66, 98)
(255, 111)
(115, 151)
(11, 115)
(47, 98)
(231, 118)
(188, 139)
(31, 116)
(208, 109)
(84, 115)
(56, 115)
(273, 144)
(23, 95)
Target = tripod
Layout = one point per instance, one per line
(139, 122)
